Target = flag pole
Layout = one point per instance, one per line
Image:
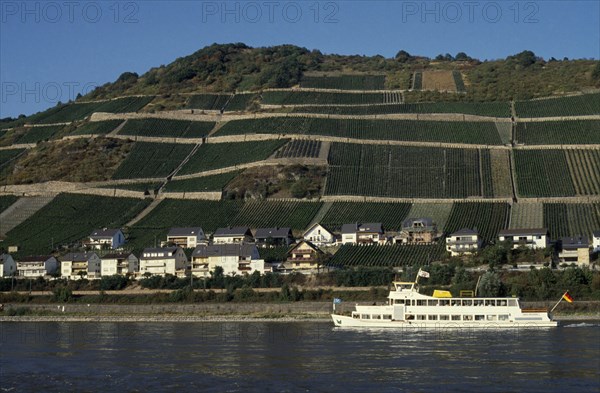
(560, 300)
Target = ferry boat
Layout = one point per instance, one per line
(407, 308)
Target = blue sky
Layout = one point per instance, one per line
(50, 51)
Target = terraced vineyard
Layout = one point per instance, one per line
(97, 127)
(410, 172)
(296, 215)
(573, 132)
(491, 109)
(584, 166)
(8, 155)
(396, 255)
(208, 101)
(38, 134)
(390, 215)
(222, 155)
(328, 98)
(81, 110)
(487, 218)
(565, 219)
(152, 160)
(417, 81)
(202, 184)
(167, 128)
(483, 133)
(6, 201)
(586, 104)
(527, 215)
(299, 149)
(458, 81)
(345, 82)
(240, 102)
(69, 218)
(438, 212)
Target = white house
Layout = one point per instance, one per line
(530, 238)
(319, 235)
(80, 265)
(37, 266)
(464, 241)
(368, 233)
(233, 258)
(596, 241)
(575, 250)
(106, 238)
(162, 261)
(7, 266)
(120, 263)
(232, 235)
(186, 237)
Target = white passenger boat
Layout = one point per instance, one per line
(407, 308)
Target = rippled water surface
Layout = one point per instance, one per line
(307, 356)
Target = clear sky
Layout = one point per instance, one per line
(51, 50)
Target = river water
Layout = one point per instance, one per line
(294, 357)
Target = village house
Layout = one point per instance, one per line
(80, 265)
(418, 231)
(185, 237)
(368, 233)
(120, 263)
(106, 238)
(163, 261)
(235, 259)
(529, 238)
(37, 266)
(319, 235)
(303, 256)
(7, 266)
(596, 241)
(575, 250)
(464, 241)
(232, 235)
(273, 237)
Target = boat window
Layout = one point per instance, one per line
(444, 317)
(432, 317)
(467, 302)
(479, 317)
(421, 302)
(375, 316)
(410, 316)
(467, 317)
(512, 302)
(490, 302)
(478, 302)
(502, 302)
(399, 301)
(355, 316)
(491, 318)
(365, 316)
(420, 317)
(432, 302)
(387, 316)
(456, 317)
(503, 317)
(455, 302)
(444, 302)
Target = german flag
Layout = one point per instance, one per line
(568, 297)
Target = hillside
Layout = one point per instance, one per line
(283, 136)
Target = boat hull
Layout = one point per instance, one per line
(349, 322)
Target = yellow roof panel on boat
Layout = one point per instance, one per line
(440, 293)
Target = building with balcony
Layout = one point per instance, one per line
(185, 237)
(368, 233)
(80, 265)
(418, 231)
(232, 235)
(163, 261)
(235, 259)
(319, 235)
(529, 238)
(303, 256)
(106, 238)
(575, 250)
(121, 264)
(37, 266)
(464, 241)
(273, 237)
(596, 241)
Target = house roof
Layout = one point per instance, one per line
(233, 231)
(104, 233)
(191, 231)
(316, 225)
(409, 222)
(465, 231)
(35, 258)
(77, 256)
(224, 250)
(366, 227)
(275, 233)
(596, 233)
(516, 232)
(571, 243)
(4, 257)
(311, 245)
(118, 255)
(170, 251)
